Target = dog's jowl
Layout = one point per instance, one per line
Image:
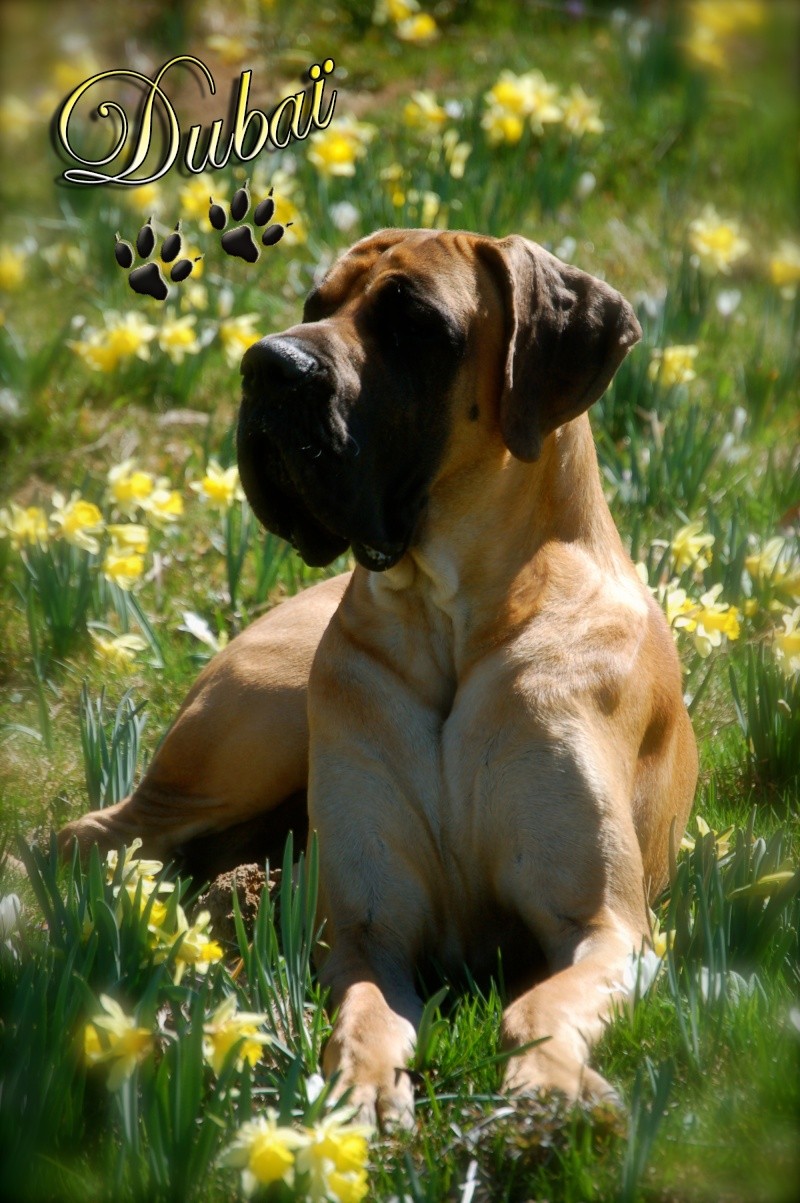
(486, 715)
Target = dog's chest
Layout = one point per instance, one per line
(458, 802)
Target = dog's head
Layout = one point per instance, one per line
(414, 341)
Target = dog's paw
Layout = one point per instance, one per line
(85, 832)
(595, 1090)
(110, 828)
(148, 279)
(389, 1106)
(366, 1055)
(240, 242)
(579, 1083)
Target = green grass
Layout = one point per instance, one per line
(711, 1083)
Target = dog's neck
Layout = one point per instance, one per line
(463, 554)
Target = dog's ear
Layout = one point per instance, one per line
(566, 334)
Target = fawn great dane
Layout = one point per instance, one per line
(486, 716)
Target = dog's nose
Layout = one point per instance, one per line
(277, 359)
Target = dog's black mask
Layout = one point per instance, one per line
(343, 419)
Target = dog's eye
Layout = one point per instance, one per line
(315, 307)
(401, 316)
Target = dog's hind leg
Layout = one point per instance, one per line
(238, 747)
(567, 1014)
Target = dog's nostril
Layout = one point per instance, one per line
(278, 358)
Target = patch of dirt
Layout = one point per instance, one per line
(249, 882)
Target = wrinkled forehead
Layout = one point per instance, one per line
(441, 263)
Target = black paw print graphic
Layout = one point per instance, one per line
(240, 242)
(148, 279)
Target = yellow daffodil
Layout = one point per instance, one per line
(423, 112)
(16, 119)
(672, 366)
(427, 206)
(502, 126)
(123, 568)
(722, 839)
(351, 1187)
(138, 879)
(777, 566)
(236, 335)
(194, 296)
(225, 1027)
(725, 17)
(287, 200)
(420, 29)
(581, 113)
(46, 102)
(689, 547)
(265, 1152)
(177, 337)
(67, 73)
(93, 352)
(125, 336)
(456, 153)
(157, 914)
(392, 179)
(65, 256)
(716, 242)
(544, 105)
(662, 941)
(12, 268)
(511, 92)
(128, 335)
(394, 10)
(23, 526)
(674, 602)
(515, 99)
(192, 252)
(128, 486)
(333, 154)
(764, 565)
(705, 48)
(118, 651)
(335, 1160)
(193, 944)
(787, 642)
(784, 269)
(112, 1038)
(716, 619)
(193, 197)
(164, 506)
(709, 621)
(129, 536)
(530, 95)
(296, 232)
(77, 521)
(219, 487)
(334, 151)
(284, 184)
(231, 49)
(144, 198)
(133, 866)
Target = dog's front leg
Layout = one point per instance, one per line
(568, 1013)
(373, 921)
(372, 1041)
(372, 777)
